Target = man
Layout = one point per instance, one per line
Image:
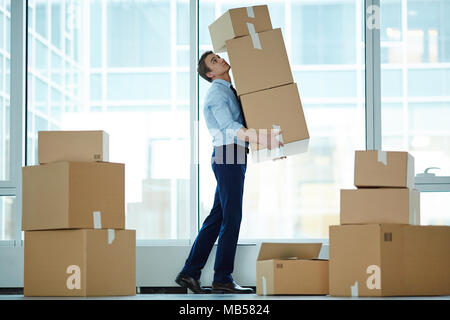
(225, 122)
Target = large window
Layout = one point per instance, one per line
(415, 71)
(123, 66)
(299, 197)
(415, 66)
(120, 66)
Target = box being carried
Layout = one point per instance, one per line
(56, 146)
(263, 78)
(80, 262)
(280, 107)
(389, 260)
(291, 268)
(380, 205)
(67, 195)
(238, 22)
(259, 62)
(384, 169)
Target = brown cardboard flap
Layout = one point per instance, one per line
(287, 250)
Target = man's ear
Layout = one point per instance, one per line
(210, 75)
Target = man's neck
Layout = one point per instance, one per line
(225, 76)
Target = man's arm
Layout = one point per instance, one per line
(266, 138)
(221, 112)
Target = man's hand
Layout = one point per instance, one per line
(266, 138)
(270, 139)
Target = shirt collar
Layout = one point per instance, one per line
(221, 81)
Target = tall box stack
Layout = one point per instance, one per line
(263, 77)
(385, 190)
(73, 215)
(380, 248)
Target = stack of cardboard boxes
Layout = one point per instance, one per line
(380, 248)
(263, 77)
(73, 216)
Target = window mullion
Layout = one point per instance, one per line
(194, 120)
(18, 101)
(373, 74)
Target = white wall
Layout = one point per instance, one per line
(156, 266)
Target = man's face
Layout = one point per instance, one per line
(217, 65)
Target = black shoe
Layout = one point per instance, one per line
(190, 283)
(230, 287)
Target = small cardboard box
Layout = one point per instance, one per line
(380, 205)
(259, 62)
(282, 107)
(375, 168)
(238, 22)
(54, 146)
(291, 268)
(389, 260)
(68, 195)
(83, 262)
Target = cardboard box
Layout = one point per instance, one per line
(389, 260)
(291, 268)
(384, 169)
(279, 106)
(259, 62)
(80, 262)
(56, 146)
(67, 195)
(236, 23)
(380, 205)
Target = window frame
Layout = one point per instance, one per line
(8, 186)
(13, 187)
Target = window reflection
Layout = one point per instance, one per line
(121, 75)
(415, 56)
(299, 197)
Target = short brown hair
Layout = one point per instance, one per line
(202, 68)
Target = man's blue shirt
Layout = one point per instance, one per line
(223, 114)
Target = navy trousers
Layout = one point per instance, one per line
(229, 164)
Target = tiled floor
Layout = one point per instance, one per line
(217, 297)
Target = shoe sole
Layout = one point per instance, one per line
(221, 291)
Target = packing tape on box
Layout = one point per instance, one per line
(354, 290)
(97, 219)
(254, 36)
(279, 152)
(264, 286)
(382, 157)
(111, 236)
(250, 12)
